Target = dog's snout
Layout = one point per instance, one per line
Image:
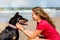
(23, 22)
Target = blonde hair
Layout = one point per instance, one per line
(43, 15)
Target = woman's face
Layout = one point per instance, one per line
(34, 16)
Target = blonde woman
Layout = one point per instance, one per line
(45, 26)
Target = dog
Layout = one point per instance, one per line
(11, 32)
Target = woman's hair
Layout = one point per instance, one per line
(43, 15)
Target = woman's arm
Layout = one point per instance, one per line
(30, 35)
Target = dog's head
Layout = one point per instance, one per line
(18, 18)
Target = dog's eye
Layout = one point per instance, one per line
(17, 21)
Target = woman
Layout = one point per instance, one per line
(45, 26)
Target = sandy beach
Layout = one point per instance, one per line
(31, 26)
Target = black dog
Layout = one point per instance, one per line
(11, 33)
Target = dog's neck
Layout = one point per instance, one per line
(12, 26)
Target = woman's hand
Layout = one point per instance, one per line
(19, 26)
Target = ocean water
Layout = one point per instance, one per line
(6, 15)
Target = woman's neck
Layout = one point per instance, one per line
(39, 20)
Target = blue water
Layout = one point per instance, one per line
(5, 17)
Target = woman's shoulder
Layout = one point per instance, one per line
(43, 22)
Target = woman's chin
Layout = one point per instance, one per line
(34, 19)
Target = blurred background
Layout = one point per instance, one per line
(8, 8)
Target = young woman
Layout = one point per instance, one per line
(45, 26)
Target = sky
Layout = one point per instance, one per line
(29, 3)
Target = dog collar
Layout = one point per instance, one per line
(12, 26)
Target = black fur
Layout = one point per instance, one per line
(8, 33)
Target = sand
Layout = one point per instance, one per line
(31, 26)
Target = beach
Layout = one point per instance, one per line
(31, 26)
(5, 17)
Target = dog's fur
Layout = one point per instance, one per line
(10, 33)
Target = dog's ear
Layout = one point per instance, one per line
(17, 13)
